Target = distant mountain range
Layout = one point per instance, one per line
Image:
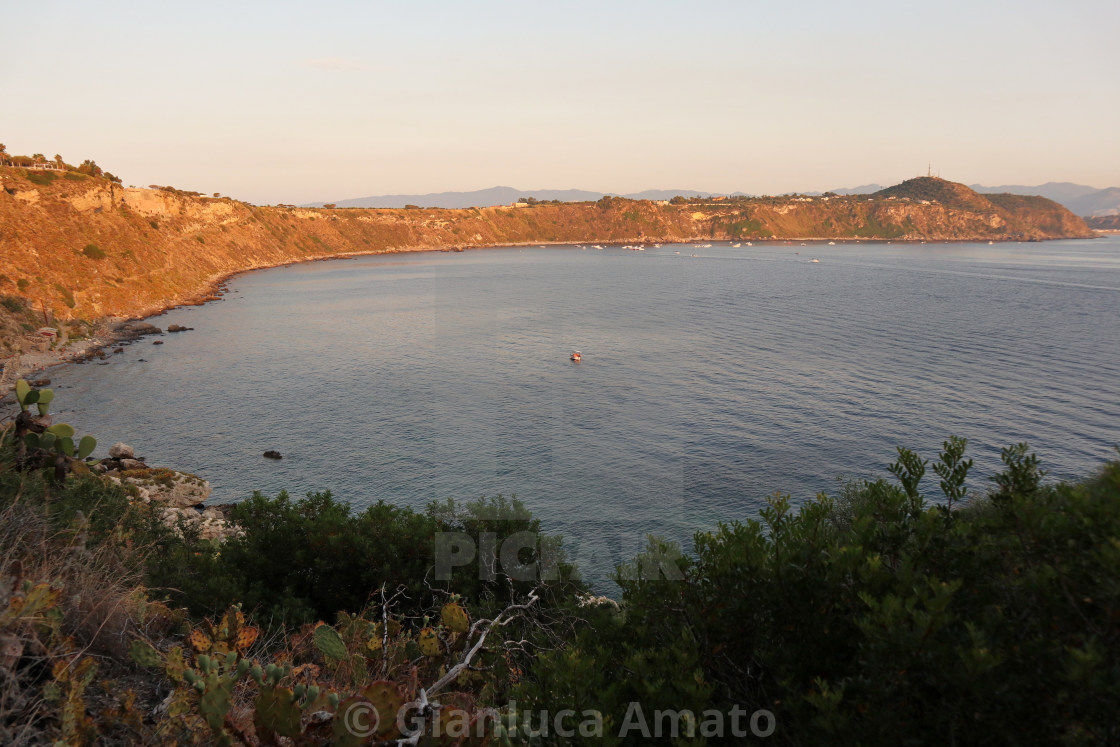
(500, 196)
(1079, 198)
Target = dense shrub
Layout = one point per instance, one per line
(42, 178)
(879, 618)
(300, 561)
(13, 304)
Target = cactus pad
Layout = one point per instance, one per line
(22, 389)
(145, 654)
(199, 640)
(428, 640)
(86, 446)
(277, 713)
(454, 618)
(387, 699)
(329, 642)
(245, 637)
(215, 701)
(62, 430)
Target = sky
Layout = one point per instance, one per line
(299, 102)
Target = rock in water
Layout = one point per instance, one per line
(121, 451)
(132, 330)
(179, 328)
(270, 454)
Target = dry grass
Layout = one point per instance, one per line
(93, 613)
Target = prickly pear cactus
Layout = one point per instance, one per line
(46, 396)
(230, 634)
(454, 618)
(199, 641)
(387, 699)
(146, 655)
(330, 643)
(214, 682)
(277, 713)
(428, 640)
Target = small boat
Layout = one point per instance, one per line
(832, 243)
(814, 259)
(576, 356)
(736, 246)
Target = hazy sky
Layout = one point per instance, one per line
(296, 102)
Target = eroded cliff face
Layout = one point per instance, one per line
(86, 248)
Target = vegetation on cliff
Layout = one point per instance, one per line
(879, 615)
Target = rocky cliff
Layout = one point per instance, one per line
(85, 248)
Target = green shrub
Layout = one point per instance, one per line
(23, 284)
(67, 295)
(92, 251)
(879, 618)
(13, 304)
(42, 178)
(305, 560)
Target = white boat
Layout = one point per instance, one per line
(749, 244)
(736, 246)
(832, 243)
(814, 259)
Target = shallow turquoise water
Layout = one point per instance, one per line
(707, 382)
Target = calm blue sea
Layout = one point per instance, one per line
(711, 377)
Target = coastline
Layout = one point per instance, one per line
(35, 364)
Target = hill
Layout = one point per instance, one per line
(81, 247)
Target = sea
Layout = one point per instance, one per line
(712, 376)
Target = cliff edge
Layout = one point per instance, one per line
(80, 247)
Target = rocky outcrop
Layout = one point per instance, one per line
(177, 497)
(164, 486)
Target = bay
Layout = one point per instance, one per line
(707, 381)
